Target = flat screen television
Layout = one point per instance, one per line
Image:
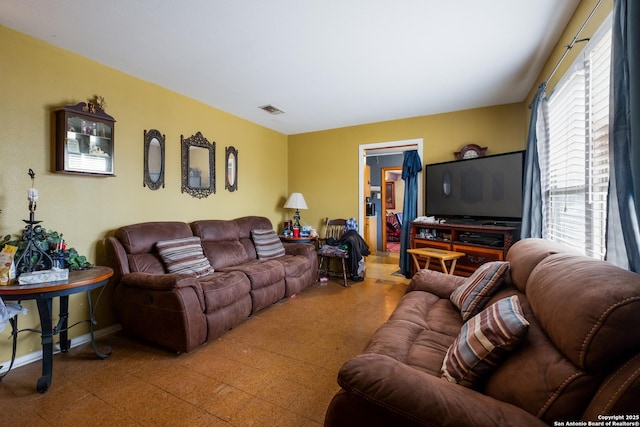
(483, 188)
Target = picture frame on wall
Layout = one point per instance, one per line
(390, 196)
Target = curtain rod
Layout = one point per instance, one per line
(385, 154)
(389, 151)
(573, 42)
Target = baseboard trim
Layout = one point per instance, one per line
(75, 342)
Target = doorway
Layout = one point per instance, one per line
(384, 149)
(392, 192)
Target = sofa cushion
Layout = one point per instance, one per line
(294, 265)
(268, 244)
(525, 255)
(141, 238)
(245, 225)
(223, 289)
(484, 341)
(184, 256)
(145, 263)
(579, 310)
(474, 293)
(261, 273)
(225, 253)
(536, 376)
(418, 332)
(220, 242)
(139, 241)
(593, 331)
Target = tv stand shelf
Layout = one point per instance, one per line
(481, 242)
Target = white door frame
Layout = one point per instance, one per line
(402, 146)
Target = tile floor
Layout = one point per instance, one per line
(277, 368)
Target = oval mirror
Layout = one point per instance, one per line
(231, 181)
(198, 166)
(153, 159)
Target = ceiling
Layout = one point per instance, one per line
(326, 64)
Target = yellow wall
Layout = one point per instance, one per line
(324, 165)
(35, 78)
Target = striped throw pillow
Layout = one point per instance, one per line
(184, 256)
(473, 294)
(485, 341)
(268, 244)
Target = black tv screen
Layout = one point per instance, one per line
(480, 188)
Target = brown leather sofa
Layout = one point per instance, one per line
(180, 312)
(580, 358)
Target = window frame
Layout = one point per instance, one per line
(591, 227)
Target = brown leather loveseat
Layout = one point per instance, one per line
(579, 360)
(179, 311)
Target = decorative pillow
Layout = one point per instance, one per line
(473, 294)
(485, 341)
(184, 256)
(268, 244)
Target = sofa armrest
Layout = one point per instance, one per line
(435, 282)
(163, 282)
(382, 388)
(116, 258)
(303, 249)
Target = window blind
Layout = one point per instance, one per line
(578, 153)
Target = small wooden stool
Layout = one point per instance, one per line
(440, 254)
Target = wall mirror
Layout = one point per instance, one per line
(153, 159)
(231, 177)
(198, 165)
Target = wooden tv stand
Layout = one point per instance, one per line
(480, 242)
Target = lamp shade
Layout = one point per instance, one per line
(296, 201)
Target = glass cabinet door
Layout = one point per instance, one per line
(84, 141)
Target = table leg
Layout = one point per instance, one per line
(44, 310)
(320, 270)
(453, 265)
(415, 261)
(92, 323)
(344, 273)
(444, 266)
(14, 334)
(62, 327)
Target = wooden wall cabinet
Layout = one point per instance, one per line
(480, 242)
(84, 140)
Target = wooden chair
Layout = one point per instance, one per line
(334, 228)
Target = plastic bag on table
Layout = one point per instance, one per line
(8, 311)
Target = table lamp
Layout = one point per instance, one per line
(296, 201)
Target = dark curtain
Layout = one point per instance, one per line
(623, 235)
(532, 202)
(410, 168)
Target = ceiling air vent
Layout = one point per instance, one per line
(271, 109)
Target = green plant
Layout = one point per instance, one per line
(76, 261)
(51, 242)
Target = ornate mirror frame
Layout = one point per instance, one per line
(148, 181)
(231, 171)
(188, 172)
